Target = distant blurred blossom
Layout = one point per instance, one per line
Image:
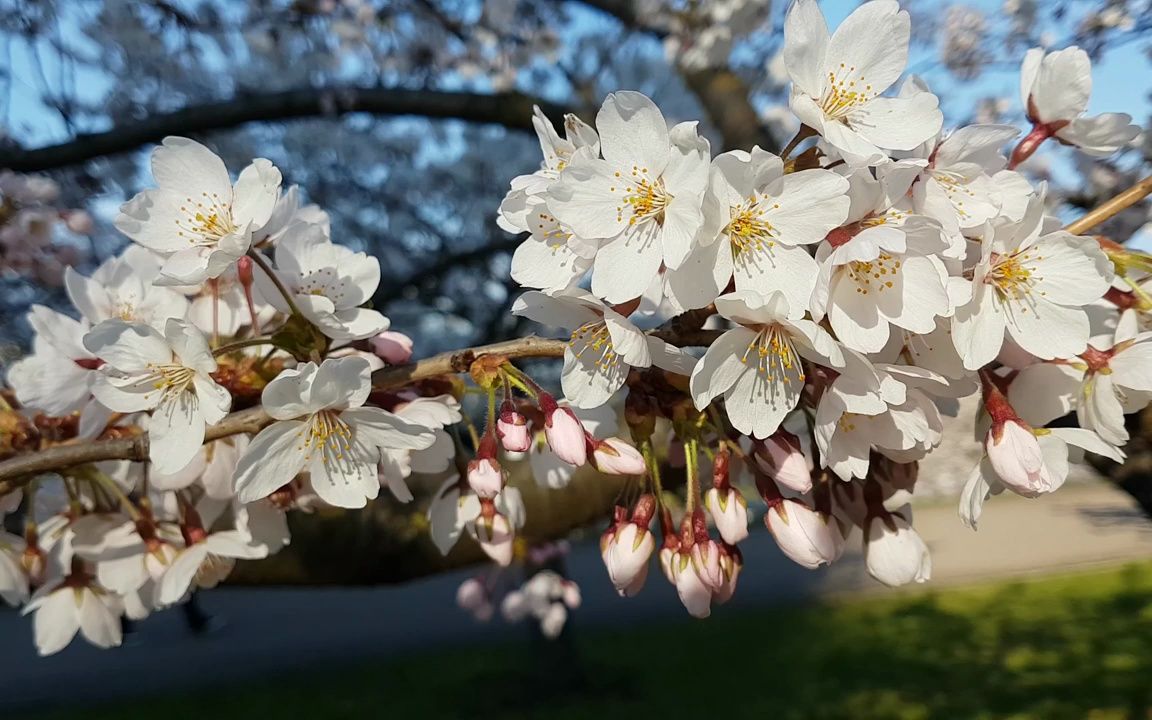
(962, 47)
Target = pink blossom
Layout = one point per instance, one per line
(780, 456)
(616, 457)
(512, 429)
(392, 347)
(808, 537)
(485, 477)
(564, 432)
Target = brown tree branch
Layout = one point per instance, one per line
(18, 470)
(1112, 207)
(512, 110)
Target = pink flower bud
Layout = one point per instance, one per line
(1015, 455)
(392, 347)
(706, 563)
(729, 512)
(616, 457)
(495, 535)
(894, 552)
(782, 459)
(485, 477)
(808, 537)
(515, 606)
(694, 593)
(564, 432)
(731, 562)
(667, 558)
(512, 429)
(626, 553)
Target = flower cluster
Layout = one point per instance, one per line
(879, 270)
(822, 308)
(32, 225)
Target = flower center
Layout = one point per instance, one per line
(206, 220)
(329, 435)
(323, 282)
(774, 355)
(1014, 276)
(846, 89)
(874, 274)
(172, 379)
(748, 231)
(955, 188)
(594, 336)
(644, 197)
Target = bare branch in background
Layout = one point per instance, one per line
(511, 109)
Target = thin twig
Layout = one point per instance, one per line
(263, 265)
(16, 471)
(1112, 207)
(239, 344)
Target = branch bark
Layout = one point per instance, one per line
(14, 470)
(511, 109)
(1112, 207)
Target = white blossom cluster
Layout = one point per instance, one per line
(863, 286)
(855, 287)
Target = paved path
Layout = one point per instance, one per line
(272, 631)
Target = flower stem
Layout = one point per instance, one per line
(802, 134)
(692, 470)
(263, 265)
(246, 342)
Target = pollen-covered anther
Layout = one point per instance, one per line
(875, 274)
(845, 91)
(748, 231)
(594, 336)
(172, 378)
(1014, 276)
(330, 435)
(205, 221)
(644, 197)
(772, 351)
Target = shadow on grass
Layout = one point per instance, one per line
(1069, 648)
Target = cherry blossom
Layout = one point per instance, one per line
(196, 217)
(1031, 285)
(169, 374)
(1054, 88)
(757, 220)
(328, 283)
(322, 428)
(642, 200)
(758, 365)
(603, 344)
(837, 80)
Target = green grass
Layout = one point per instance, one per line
(1073, 647)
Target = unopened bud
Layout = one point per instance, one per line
(613, 456)
(512, 429)
(564, 432)
(244, 271)
(393, 348)
(780, 456)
